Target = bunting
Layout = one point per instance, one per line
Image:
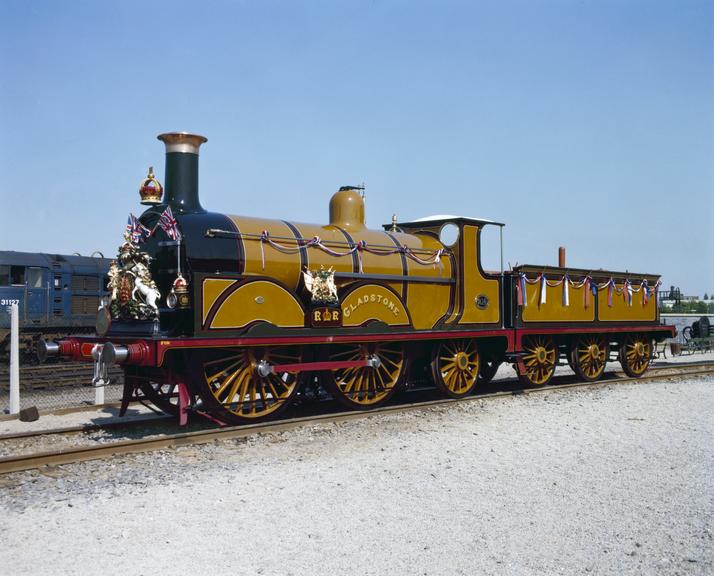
(521, 291)
(587, 293)
(566, 296)
(590, 290)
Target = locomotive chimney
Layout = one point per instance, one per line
(561, 256)
(181, 176)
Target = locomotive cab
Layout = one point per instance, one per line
(477, 294)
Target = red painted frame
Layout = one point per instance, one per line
(659, 328)
(153, 352)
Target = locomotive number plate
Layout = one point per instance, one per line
(325, 317)
(481, 301)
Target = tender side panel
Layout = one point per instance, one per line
(373, 302)
(622, 311)
(480, 295)
(553, 309)
(255, 301)
(427, 303)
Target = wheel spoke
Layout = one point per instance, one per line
(227, 359)
(226, 383)
(455, 366)
(364, 386)
(232, 383)
(273, 391)
(350, 352)
(243, 375)
(540, 356)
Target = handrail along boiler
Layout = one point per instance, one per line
(231, 315)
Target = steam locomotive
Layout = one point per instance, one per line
(230, 316)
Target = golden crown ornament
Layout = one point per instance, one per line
(150, 189)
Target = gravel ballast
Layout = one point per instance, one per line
(609, 480)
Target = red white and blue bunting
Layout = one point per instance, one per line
(627, 290)
(433, 257)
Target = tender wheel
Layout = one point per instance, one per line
(635, 355)
(455, 367)
(233, 389)
(588, 356)
(365, 387)
(487, 369)
(540, 355)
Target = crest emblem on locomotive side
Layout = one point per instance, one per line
(134, 295)
(325, 309)
(321, 285)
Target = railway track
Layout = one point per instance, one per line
(208, 433)
(51, 376)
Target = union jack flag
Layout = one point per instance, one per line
(137, 230)
(168, 224)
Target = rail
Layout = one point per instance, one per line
(83, 453)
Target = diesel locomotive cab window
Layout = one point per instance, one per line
(17, 275)
(34, 277)
(4, 275)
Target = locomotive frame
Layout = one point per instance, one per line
(256, 319)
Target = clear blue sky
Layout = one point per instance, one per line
(588, 124)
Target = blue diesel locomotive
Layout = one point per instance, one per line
(55, 294)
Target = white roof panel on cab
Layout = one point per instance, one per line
(443, 218)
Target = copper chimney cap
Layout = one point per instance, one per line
(182, 142)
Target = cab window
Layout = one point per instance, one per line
(34, 277)
(17, 275)
(12, 275)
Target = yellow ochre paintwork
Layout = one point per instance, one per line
(283, 267)
(212, 289)
(427, 303)
(553, 310)
(373, 302)
(347, 209)
(475, 285)
(286, 267)
(259, 300)
(621, 311)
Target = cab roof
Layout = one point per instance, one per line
(438, 219)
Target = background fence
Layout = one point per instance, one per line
(51, 386)
(56, 386)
